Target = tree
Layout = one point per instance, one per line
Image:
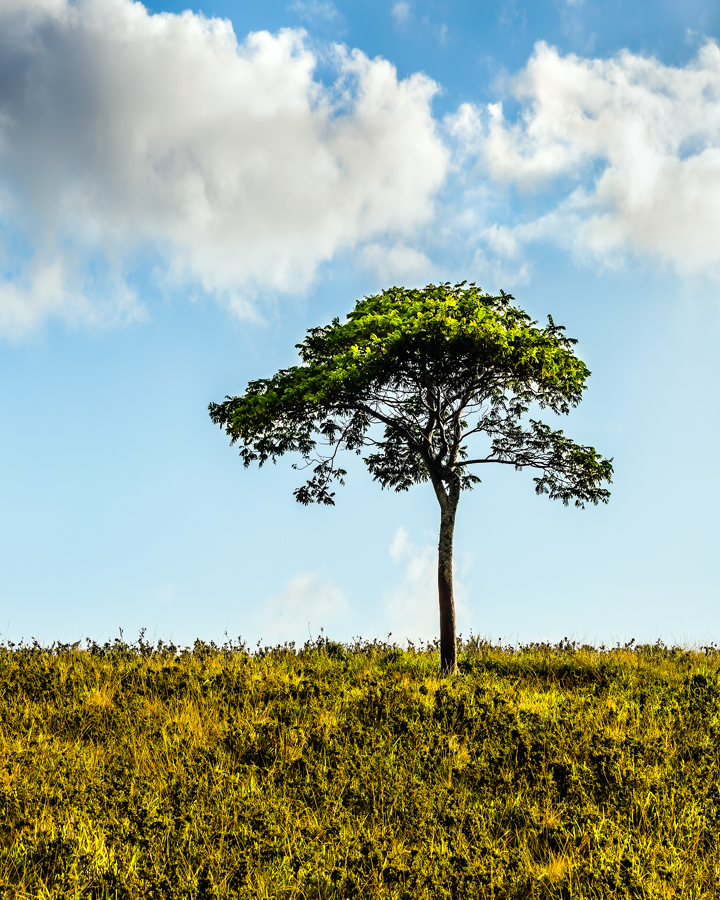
(408, 382)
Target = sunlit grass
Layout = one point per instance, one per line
(331, 772)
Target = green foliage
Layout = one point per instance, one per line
(411, 377)
(336, 772)
(408, 383)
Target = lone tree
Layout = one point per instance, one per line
(408, 382)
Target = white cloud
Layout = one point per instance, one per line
(122, 131)
(396, 262)
(401, 11)
(411, 608)
(128, 138)
(315, 9)
(632, 147)
(49, 287)
(496, 273)
(307, 603)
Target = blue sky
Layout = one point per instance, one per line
(182, 196)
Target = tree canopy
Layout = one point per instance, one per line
(425, 385)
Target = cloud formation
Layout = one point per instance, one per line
(122, 131)
(307, 604)
(401, 11)
(315, 9)
(629, 148)
(411, 608)
(129, 139)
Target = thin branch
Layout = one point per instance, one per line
(490, 459)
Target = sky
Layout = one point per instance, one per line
(185, 191)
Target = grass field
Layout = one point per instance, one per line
(329, 772)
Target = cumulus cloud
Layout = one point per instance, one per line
(124, 133)
(132, 140)
(307, 603)
(629, 148)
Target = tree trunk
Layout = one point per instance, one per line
(448, 648)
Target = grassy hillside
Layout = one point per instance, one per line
(357, 772)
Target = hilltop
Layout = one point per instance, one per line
(356, 771)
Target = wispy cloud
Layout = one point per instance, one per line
(307, 603)
(396, 262)
(411, 607)
(311, 10)
(401, 11)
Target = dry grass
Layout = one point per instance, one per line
(332, 772)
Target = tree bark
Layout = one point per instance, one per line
(448, 646)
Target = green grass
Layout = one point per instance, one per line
(357, 772)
